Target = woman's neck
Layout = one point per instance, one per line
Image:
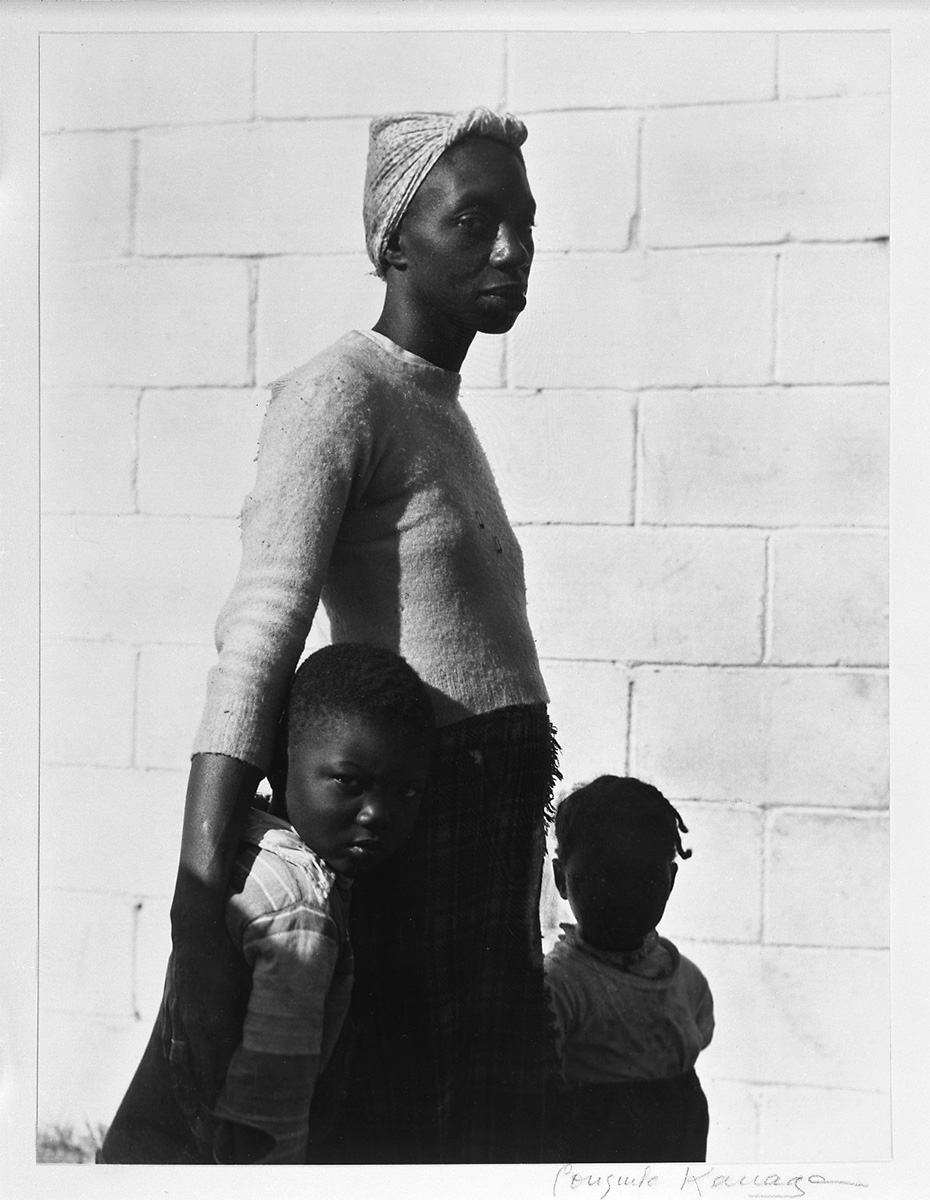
(440, 343)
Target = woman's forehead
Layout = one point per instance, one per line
(478, 168)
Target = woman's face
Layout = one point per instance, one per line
(465, 245)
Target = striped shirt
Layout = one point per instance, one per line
(287, 911)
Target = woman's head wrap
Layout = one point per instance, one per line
(403, 149)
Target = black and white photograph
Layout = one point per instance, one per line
(465, 462)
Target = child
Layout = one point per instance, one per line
(632, 1014)
(358, 749)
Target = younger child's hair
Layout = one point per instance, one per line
(637, 808)
(347, 679)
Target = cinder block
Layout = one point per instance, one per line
(88, 702)
(812, 1017)
(583, 170)
(764, 457)
(88, 450)
(85, 1065)
(172, 690)
(768, 736)
(559, 457)
(588, 707)
(117, 832)
(486, 364)
(608, 70)
(800, 1124)
(318, 74)
(833, 314)
(647, 320)
(137, 579)
(306, 304)
(197, 450)
(586, 587)
(159, 323)
(834, 64)
(125, 80)
(292, 187)
(85, 195)
(829, 598)
(718, 891)
(85, 953)
(827, 880)
(153, 945)
(766, 172)
(733, 1136)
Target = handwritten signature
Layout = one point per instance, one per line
(696, 1183)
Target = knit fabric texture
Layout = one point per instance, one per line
(404, 147)
(618, 1019)
(373, 495)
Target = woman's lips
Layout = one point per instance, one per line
(510, 295)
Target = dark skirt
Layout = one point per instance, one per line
(454, 1046)
(655, 1120)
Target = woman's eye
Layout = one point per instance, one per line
(473, 222)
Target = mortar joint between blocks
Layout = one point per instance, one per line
(135, 156)
(768, 584)
(251, 369)
(254, 79)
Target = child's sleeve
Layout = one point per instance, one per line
(273, 1072)
(704, 1013)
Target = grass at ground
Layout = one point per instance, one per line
(64, 1144)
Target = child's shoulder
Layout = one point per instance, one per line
(274, 871)
(688, 972)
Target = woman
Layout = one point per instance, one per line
(373, 495)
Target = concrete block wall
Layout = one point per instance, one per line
(689, 429)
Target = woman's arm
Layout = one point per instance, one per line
(219, 794)
(290, 521)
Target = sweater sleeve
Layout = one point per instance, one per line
(314, 439)
(273, 1072)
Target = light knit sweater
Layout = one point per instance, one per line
(374, 495)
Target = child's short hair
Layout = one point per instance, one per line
(351, 677)
(637, 808)
(346, 679)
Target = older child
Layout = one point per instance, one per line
(632, 1013)
(358, 750)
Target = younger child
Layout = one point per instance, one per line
(632, 1014)
(359, 744)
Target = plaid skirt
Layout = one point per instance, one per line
(454, 1048)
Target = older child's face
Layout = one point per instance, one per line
(354, 785)
(616, 895)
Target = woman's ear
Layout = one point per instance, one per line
(393, 254)
(558, 874)
(672, 872)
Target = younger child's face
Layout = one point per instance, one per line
(354, 784)
(617, 896)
